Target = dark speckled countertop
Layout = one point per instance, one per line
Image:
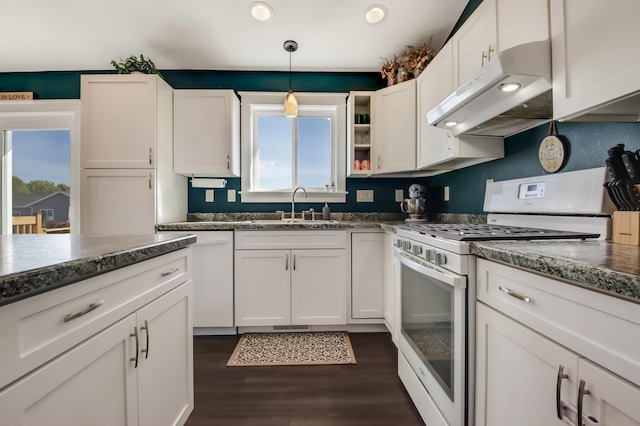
(598, 265)
(33, 264)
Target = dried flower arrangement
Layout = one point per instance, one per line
(390, 69)
(410, 64)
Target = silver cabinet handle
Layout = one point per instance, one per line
(559, 404)
(286, 263)
(484, 56)
(85, 311)
(135, 334)
(228, 163)
(170, 271)
(150, 155)
(294, 262)
(145, 327)
(581, 393)
(514, 294)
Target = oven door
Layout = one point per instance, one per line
(433, 333)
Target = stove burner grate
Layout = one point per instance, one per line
(480, 232)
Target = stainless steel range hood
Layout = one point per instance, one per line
(480, 107)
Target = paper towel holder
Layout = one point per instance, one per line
(207, 182)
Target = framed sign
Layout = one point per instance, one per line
(16, 96)
(551, 152)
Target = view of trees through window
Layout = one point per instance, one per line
(40, 173)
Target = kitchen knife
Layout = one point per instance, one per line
(632, 167)
(616, 170)
(613, 197)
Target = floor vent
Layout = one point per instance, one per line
(290, 327)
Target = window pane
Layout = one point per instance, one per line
(274, 152)
(314, 151)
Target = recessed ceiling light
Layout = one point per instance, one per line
(375, 14)
(509, 87)
(450, 123)
(261, 11)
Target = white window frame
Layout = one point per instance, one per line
(253, 103)
(41, 115)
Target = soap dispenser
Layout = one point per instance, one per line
(326, 211)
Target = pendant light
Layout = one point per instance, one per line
(290, 102)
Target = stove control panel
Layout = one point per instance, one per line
(431, 255)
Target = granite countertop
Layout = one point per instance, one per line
(603, 266)
(32, 264)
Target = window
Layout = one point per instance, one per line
(280, 154)
(47, 214)
(31, 119)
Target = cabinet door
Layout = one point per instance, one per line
(213, 279)
(367, 275)
(611, 400)
(206, 133)
(318, 287)
(395, 128)
(119, 120)
(262, 287)
(475, 43)
(592, 61)
(165, 367)
(92, 384)
(117, 201)
(517, 372)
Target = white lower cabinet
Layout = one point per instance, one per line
(367, 275)
(213, 279)
(290, 287)
(290, 278)
(136, 372)
(115, 349)
(537, 340)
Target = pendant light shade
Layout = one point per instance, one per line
(290, 101)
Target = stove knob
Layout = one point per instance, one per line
(417, 250)
(399, 243)
(406, 245)
(429, 255)
(441, 259)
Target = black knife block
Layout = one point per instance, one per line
(626, 228)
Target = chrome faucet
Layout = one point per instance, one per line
(293, 201)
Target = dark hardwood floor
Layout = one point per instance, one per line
(366, 394)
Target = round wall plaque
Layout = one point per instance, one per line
(551, 154)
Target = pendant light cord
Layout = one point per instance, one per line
(289, 69)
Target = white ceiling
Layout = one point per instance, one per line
(48, 35)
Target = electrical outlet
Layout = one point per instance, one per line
(399, 195)
(489, 181)
(208, 196)
(364, 195)
(446, 193)
(231, 195)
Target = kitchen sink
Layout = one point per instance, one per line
(290, 221)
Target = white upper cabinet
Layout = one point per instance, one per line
(122, 120)
(395, 128)
(360, 140)
(206, 133)
(437, 148)
(495, 26)
(475, 43)
(596, 66)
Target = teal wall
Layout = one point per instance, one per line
(586, 143)
(586, 146)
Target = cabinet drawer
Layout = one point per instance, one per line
(37, 329)
(264, 240)
(601, 328)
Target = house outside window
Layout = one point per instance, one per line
(280, 154)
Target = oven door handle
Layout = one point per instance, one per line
(452, 280)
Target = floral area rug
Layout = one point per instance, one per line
(312, 348)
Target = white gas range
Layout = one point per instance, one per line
(438, 280)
